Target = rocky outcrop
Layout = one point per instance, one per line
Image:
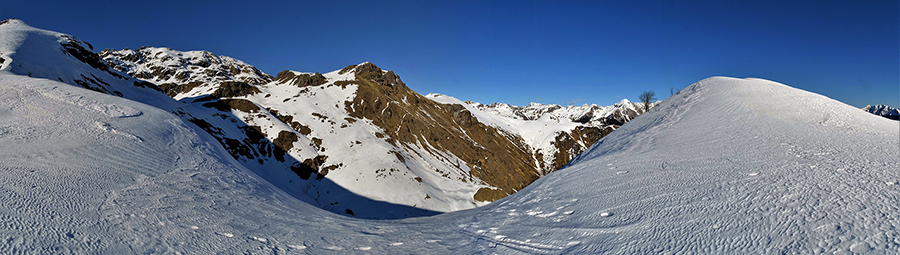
(300, 80)
(571, 144)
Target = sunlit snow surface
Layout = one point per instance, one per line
(728, 166)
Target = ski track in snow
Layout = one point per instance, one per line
(720, 168)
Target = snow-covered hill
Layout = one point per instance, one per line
(883, 111)
(719, 168)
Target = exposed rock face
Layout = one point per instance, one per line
(571, 144)
(301, 79)
(234, 89)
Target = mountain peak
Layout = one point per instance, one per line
(369, 71)
(11, 21)
(883, 111)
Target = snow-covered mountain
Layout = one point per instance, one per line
(347, 138)
(354, 141)
(883, 111)
(718, 168)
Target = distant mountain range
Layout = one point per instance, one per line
(355, 141)
(883, 111)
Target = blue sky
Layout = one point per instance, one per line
(562, 52)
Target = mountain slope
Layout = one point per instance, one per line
(718, 168)
(38, 53)
(553, 134)
(346, 139)
(372, 175)
(359, 135)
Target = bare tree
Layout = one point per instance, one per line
(647, 97)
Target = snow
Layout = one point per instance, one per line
(726, 165)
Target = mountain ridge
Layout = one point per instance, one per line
(355, 141)
(883, 111)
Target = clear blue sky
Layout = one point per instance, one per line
(516, 52)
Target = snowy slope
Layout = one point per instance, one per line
(39, 53)
(719, 168)
(88, 173)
